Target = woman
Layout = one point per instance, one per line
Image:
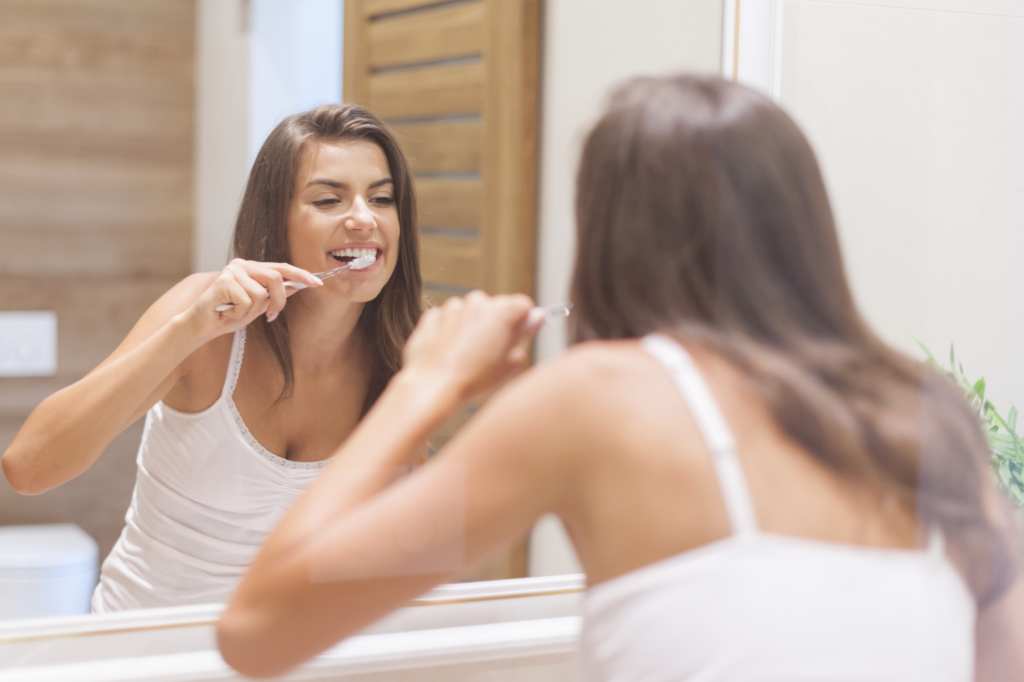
(757, 487)
(246, 405)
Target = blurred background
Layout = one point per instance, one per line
(127, 128)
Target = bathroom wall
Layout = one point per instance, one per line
(96, 133)
(589, 47)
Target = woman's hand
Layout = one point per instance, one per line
(254, 288)
(471, 344)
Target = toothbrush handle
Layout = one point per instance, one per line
(540, 315)
(294, 286)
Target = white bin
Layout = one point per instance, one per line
(46, 570)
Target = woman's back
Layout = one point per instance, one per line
(790, 601)
(648, 484)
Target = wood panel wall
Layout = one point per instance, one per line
(458, 81)
(96, 119)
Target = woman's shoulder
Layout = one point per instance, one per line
(590, 362)
(590, 377)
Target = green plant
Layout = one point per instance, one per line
(1005, 446)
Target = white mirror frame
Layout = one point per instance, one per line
(454, 630)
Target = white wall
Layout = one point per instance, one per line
(915, 108)
(295, 54)
(222, 102)
(257, 61)
(590, 46)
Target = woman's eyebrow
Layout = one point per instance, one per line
(342, 185)
(329, 183)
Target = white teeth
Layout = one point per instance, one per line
(354, 253)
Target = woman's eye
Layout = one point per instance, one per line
(383, 201)
(325, 202)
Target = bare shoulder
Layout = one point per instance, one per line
(596, 372)
(582, 393)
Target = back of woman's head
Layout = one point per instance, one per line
(261, 233)
(702, 212)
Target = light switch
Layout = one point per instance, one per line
(28, 343)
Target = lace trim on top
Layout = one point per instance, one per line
(234, 367)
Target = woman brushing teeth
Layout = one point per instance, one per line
(245, 405)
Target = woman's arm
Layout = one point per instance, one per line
(68, 431)
(999, 638)
(350, 551)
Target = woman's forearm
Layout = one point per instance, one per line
(69, 430)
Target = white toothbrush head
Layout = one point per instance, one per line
(363, 261)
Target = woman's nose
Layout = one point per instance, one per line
(360, 217)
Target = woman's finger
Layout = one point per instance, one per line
(256, 291)
(288, 272)
(237, 295)
(451, 318)
(273, 281)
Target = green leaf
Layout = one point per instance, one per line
(979, 388)
(927, 353)
(1006, 448)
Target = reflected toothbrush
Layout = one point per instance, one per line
(541, 315)
(356, 264)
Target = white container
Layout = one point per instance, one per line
(46, 570)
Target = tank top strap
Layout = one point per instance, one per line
(234, 363)
(936, 541)
(713, 427)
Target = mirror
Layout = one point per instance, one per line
(128, 128)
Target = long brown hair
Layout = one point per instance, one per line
(702, 212)
(261, 234)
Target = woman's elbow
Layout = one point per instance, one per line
(20, 476)
(240, 640)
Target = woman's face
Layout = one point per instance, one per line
(344, 207)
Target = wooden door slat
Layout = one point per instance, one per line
(424, 92)
(373, 8)
(449, 203)
(442, 147)
(443, 33)
(451, 261)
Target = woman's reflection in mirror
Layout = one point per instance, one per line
(244, 406)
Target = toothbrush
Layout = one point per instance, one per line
(356, 264)
(541, 315)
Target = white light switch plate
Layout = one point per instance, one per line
(28, 343)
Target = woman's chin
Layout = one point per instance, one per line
(363, 292)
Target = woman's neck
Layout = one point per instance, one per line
(323, 333)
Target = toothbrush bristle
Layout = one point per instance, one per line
(363, 261)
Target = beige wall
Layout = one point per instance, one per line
(589, 47)
(916, 110)
(95, 204)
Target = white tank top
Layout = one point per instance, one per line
(206, 496)
(757, 606)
